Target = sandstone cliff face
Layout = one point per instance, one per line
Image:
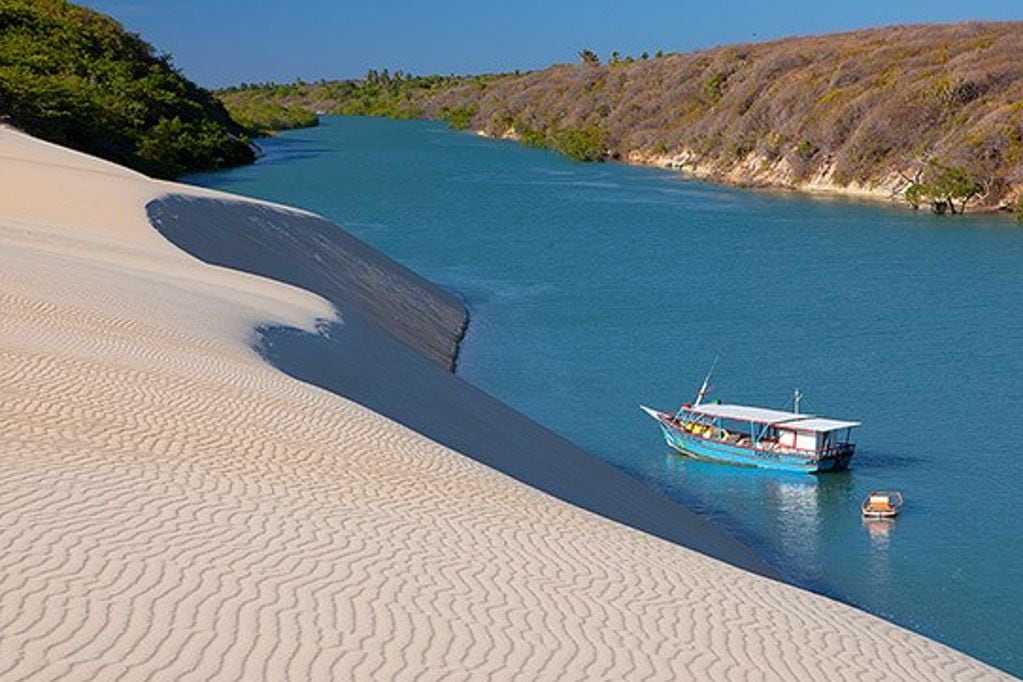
(759, 171)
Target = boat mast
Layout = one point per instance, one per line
(706, 382)
(796, 397)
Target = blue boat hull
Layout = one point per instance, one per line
(717, 451)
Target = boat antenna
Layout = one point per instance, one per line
(706, 382)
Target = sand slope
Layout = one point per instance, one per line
(173, 507)
(383, 354)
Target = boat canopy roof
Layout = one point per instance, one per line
(821, 424)
(763, 415)
(745, 413)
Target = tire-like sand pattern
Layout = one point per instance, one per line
(174, 508)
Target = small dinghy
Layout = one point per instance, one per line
(882, 504)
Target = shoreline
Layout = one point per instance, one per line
(756, 173)
(175, 505)
(462, 333)
(886, 193)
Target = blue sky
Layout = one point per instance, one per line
(219, 42)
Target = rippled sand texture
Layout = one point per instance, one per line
(171, 507)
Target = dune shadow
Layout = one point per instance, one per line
(393, 350)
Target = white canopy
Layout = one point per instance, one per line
(820, 424)
(762, 415)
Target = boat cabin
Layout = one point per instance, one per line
(813, 433)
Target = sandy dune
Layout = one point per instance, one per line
(174, 507)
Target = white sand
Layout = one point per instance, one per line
(172, 507)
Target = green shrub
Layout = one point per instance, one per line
(915, 195)
(75, 77)
(806, 150)
(459, 118)
(582, 144)
(714, 86)
(261, 117)
(531, 137)
(945, 185)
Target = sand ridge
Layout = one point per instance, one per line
(173, 507)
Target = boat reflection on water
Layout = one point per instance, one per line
(800, 502)
(799, 508)
(880, 531)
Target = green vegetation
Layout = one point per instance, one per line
(261, 117)
(582, 144)
(714, 86)
(915, 195)
(380, 93)
(855, 107)
(1017, 210)
(459, 118)
(945, 187)
(530, 137)
(587, 143)
(806, 150)
(75, 77)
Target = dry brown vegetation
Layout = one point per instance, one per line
(864, 107)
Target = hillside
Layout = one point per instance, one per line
(262, 115)
(77, 78)
(933, 109)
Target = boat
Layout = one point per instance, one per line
(882, 504)
(757, 436)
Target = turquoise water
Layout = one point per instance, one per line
(593, 288)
